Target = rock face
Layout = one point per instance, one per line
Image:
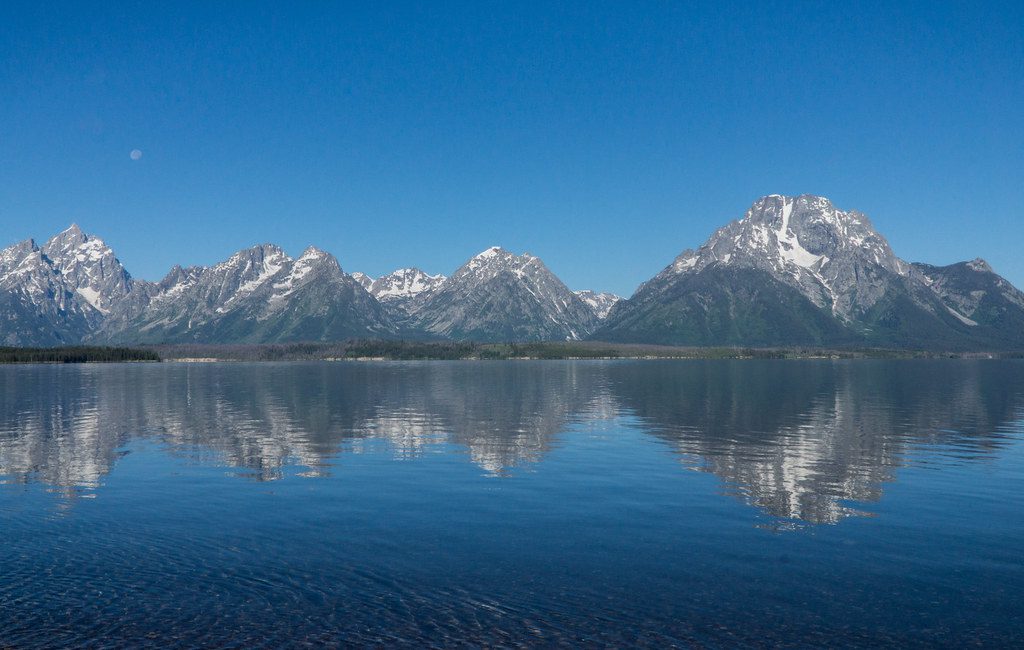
(599, 302)
(498, 296)
(798, 271)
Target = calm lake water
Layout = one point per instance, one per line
(719, 503)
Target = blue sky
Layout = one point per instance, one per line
(603, 137)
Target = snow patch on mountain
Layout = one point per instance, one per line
(789, 243)
(91, 296)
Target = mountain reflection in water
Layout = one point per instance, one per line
(812, 441)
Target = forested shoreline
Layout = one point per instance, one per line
(399, 350)
(77, 354)
(396, 350)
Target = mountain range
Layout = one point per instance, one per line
(794, 271)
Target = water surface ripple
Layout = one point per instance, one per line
(448, 504)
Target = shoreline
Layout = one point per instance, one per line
(620, 358)
(385, 351)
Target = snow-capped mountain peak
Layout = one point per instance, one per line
(246, 271)
(599, 302)
(89, 267)
(804, 241)
(364, 280)
(498, 295)
(39, 302)
(404, 284)
(178, 280)
(979, 265)
(312, 252)
(14, 257)
(300, 271)
(493, 251)
(24, 268)
(496, 260)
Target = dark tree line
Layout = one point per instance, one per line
(76, 354)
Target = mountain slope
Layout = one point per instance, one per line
(722, 305)
(498, 296)
(991, 307)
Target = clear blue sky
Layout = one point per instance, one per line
(603, 137)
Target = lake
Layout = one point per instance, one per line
(587, 503)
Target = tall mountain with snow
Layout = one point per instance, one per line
(258, 295)
(90, 267)
(37, 306)
(58, 293)
(499, 296)
(794, 271)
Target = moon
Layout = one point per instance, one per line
(135, 154)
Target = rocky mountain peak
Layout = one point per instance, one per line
(498, 295)
(24, 267)
(14, 254)
(599, 302)
(805, 242)
(73, 242)
(364, 280)
(178, 278)
(493, 251)
(71, 234)
(801, 231)
(495, 261)
(89, 268)
(265, 255)
(980, 265)
(312, 252)
(404, 284)
(312, 259)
